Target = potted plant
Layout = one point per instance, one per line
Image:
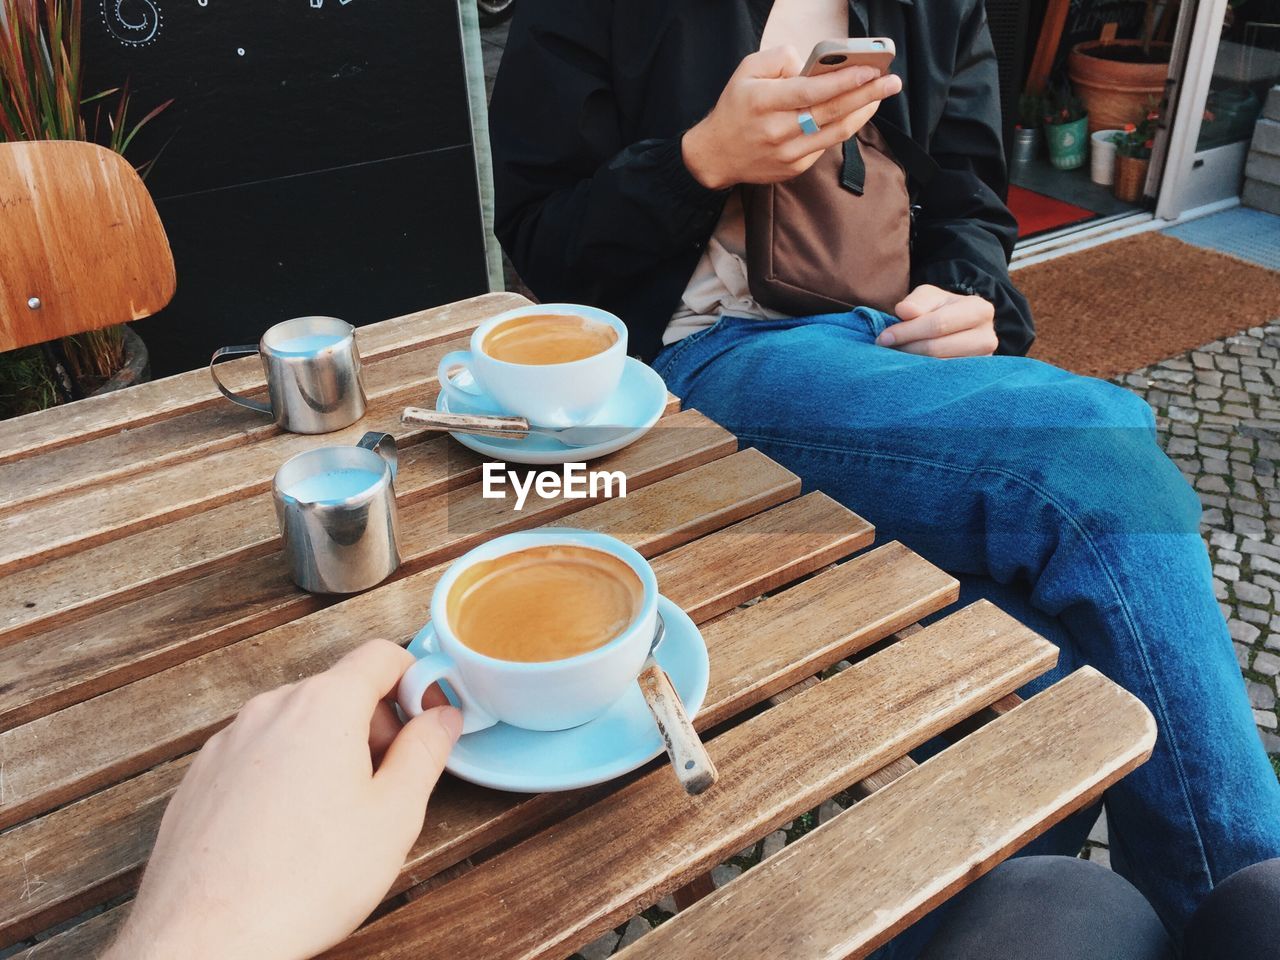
(41, 99)
(1026, 132)
(1133, 157)
(1065, 129)
(1116, 77)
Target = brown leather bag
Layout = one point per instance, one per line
(836, 237)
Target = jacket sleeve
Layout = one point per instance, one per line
(580, 210)
(964, 232)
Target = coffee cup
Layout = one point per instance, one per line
(337, 513)
(543, 630)
(312, 366)
(555, 364)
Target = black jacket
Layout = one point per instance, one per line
(595, 205)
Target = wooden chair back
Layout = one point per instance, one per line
(81, 243)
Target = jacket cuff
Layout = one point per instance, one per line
(1014, 327)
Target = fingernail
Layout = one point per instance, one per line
(886, 339)
(450, 719)
(894, 83)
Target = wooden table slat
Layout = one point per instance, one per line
(75, 850)
(102, 651)
(57, 757)
(849, 886)
(67, 589)
(557, 891)
(120, 458)
(145, 403)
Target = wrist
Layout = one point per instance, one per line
(699, 160)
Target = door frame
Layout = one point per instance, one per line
(1178, 179)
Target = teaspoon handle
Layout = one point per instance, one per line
(689, 759)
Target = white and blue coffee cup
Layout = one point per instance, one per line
(540, 695)
(554, 395)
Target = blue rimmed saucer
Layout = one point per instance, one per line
(620, 740)
(637, 403)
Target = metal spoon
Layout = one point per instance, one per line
(517, 428)
(693, 767)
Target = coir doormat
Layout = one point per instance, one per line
(1126, 304)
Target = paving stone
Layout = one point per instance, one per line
(636, 928)
(1100, 855)
(600, 948)
(1267, 664)
(1254, 615)
(1261, 696)
(1099, 832)
(1243, 632)
(828, 810)
(775, 841)
(1252, 593)
(724, 873)
(1242, 655)
(1227, 572)
(1220, 538)
(1266, 719)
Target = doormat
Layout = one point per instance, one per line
(1127, 304)
(1038, 213)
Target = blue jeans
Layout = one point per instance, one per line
(1047, 492)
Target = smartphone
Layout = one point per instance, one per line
(832, 55)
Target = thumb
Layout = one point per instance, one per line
(920, 301)
(416, 757)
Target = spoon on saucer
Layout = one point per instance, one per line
(689, 759)
(517, 428)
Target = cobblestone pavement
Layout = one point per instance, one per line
(1218, 416)
(1218, 412)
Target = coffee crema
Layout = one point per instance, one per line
(544, 603)
(548, 338)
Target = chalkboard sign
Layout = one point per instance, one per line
(317, 158)
(1087, 18)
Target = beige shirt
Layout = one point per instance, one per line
(719, 283)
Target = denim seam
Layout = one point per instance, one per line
(1084, 534)
(684, 343)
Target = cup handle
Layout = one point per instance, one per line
(235, 397)
(428, 670)
(448, 363)
(384, 445)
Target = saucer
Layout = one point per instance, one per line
(616, 742)
(639, 401)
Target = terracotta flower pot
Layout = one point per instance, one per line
(1115, 80)
(1131, 177)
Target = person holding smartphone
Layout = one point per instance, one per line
(631, 141)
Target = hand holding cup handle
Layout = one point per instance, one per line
(431, 669)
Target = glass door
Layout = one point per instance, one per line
(1233, 60)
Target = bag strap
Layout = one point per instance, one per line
(914, 159)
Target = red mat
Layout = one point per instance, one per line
(1037, 213)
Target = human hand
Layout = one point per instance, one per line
(753, 135)
(283, 836)
(939, 323)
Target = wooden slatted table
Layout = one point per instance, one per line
(143, 600)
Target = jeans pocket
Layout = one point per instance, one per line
(665, 362)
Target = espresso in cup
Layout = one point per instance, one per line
(544, 603)
(548, 338)
(554, 364)
(543, 630)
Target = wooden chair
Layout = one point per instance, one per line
(81, 242)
